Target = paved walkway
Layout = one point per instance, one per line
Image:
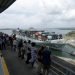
(17, 66)
(1, 68)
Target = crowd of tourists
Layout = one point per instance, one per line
(7, 41)
(28, 51)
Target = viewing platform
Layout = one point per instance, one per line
(17, 66)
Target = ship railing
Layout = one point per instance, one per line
(59, 69)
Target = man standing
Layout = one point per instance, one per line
(20, 45)
(46, 60)
(28, 51)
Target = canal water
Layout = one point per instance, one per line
(66, 50)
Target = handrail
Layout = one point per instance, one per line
(53, 71)
(58, 70)
(64, 67)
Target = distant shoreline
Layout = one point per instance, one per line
(66, 28)
(72, 28)
(6, 29)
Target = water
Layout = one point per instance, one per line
(58, 31)
(9, 32)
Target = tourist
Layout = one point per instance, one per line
(20, 45)
(33, 53)
(24, 48)
(7, 41)
(0, 43)
(39, 57)
(3, 42)
(11, 42)
(46, 60)
(14, 44)
(28, 51)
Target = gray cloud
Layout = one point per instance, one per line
(39, 13)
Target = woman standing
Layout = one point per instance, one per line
(33, 53)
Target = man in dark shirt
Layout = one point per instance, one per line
(20, 45)
(46, 60)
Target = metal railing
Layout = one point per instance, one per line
(57, 68)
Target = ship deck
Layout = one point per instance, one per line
(17, 66)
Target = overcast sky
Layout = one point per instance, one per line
(39, 13)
